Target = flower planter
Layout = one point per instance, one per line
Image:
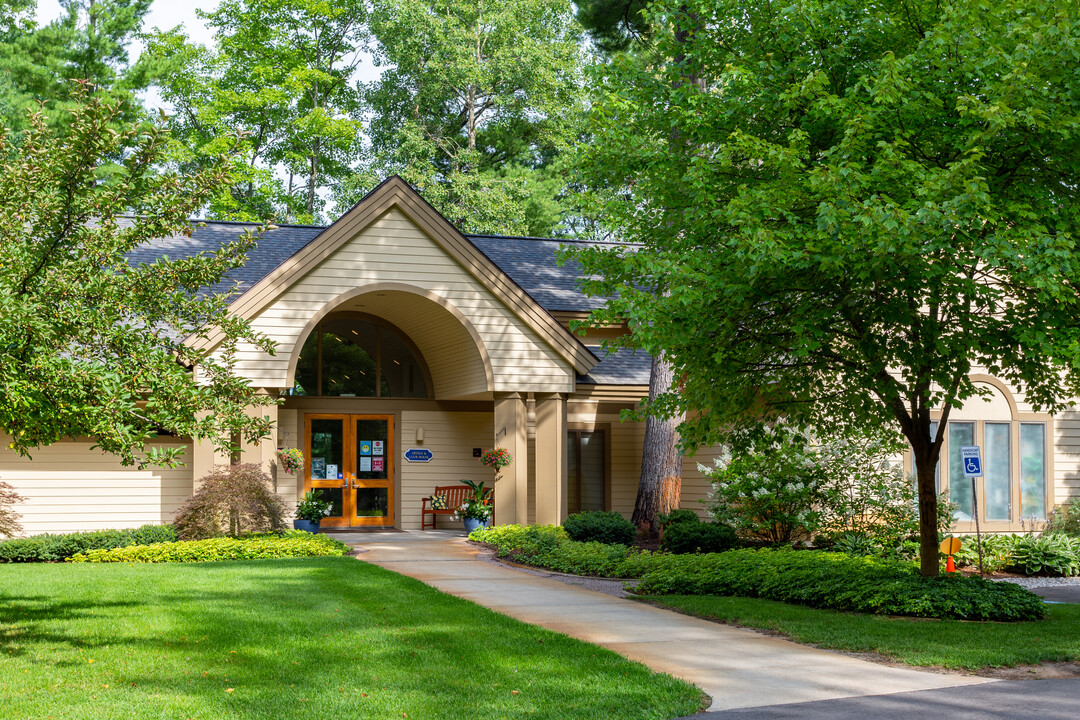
(474, 523)
(311, 526)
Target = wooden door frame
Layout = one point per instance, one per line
(349, 480)
(391, 496)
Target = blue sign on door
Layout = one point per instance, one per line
(418, 455)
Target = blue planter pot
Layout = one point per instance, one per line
(311, 526)
(472, 524)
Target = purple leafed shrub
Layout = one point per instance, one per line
(232, 500)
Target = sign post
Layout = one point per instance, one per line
(972, 459)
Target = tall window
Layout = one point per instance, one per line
(587, 476)
(353, 355)
(1015, 466)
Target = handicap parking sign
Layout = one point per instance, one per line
(972, 459)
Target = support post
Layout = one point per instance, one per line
(551, 469)
(512, 490)
(261, 452)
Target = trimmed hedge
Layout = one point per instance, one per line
(549, 547)
(837, 581)
(610, 528)
(698, 537)
(291, 543)
(56, 548)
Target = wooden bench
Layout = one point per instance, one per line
(455, 495)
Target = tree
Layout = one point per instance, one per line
(472, 94)
(870, 202)
(282, 75)
(92, 337)
(613, 25)
(88, 43)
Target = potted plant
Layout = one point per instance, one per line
(291, 460)
(476, 510)
(310, 511)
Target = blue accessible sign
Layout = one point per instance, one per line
(418, 455)
(972, 459)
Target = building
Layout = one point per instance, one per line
(404, 348)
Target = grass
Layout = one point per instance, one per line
(948, 643)
(298, 638)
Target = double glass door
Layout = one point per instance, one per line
(350, 459)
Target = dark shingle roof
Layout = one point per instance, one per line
(530, 262)
(272, 249)
(623, 367)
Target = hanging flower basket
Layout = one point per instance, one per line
(496, 459)
(291, 460)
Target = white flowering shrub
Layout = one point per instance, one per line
(770, 485)
(780, 483)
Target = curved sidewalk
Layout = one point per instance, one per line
(737, 668)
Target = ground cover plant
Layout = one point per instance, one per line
(946, 643)
(550, 547)
(284, 639)
(293, 543)
(56, 548)
(1056, 554)
(839, 582)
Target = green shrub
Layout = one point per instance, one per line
(1065, 520)
(997, 551)
(232, 500)
(1046, 555)
(837, 581)
(677, 516)
(549, 547)
(55, 548)
(855, 543)
(292, 543)
(692, 537)
(599, 526)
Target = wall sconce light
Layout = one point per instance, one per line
(420, 435)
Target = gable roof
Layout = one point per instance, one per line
(308, 246)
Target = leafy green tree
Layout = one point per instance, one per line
(867, 204)
(613, 25)
(476, 101)
(92, 339)
(282, 75)
(87, 43)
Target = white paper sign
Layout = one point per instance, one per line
(377, 447)
(331, 472)
(365, 464)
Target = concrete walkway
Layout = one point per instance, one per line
(737, 668)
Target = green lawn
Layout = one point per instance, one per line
(949, 643)
(303, 638)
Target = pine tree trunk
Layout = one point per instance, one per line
(660, 486)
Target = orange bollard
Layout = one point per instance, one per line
(950, 566)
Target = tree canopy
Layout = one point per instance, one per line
(92, 341)
(475, 104)
(866, 204)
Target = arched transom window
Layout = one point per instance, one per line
(357, 355)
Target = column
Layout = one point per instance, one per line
(204, 456)
(512, 490)
(261, 452)
(550, 459)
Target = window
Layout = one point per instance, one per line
(354, 355)
(1015, 462)
(586, 470)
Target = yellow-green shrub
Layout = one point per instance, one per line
(293, 543)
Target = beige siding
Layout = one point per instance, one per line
(450, 436)
(289, 435)
(68, 487)
(1067, 457)
(394, 250)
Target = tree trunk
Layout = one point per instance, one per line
(926, 459)
(660, 486)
